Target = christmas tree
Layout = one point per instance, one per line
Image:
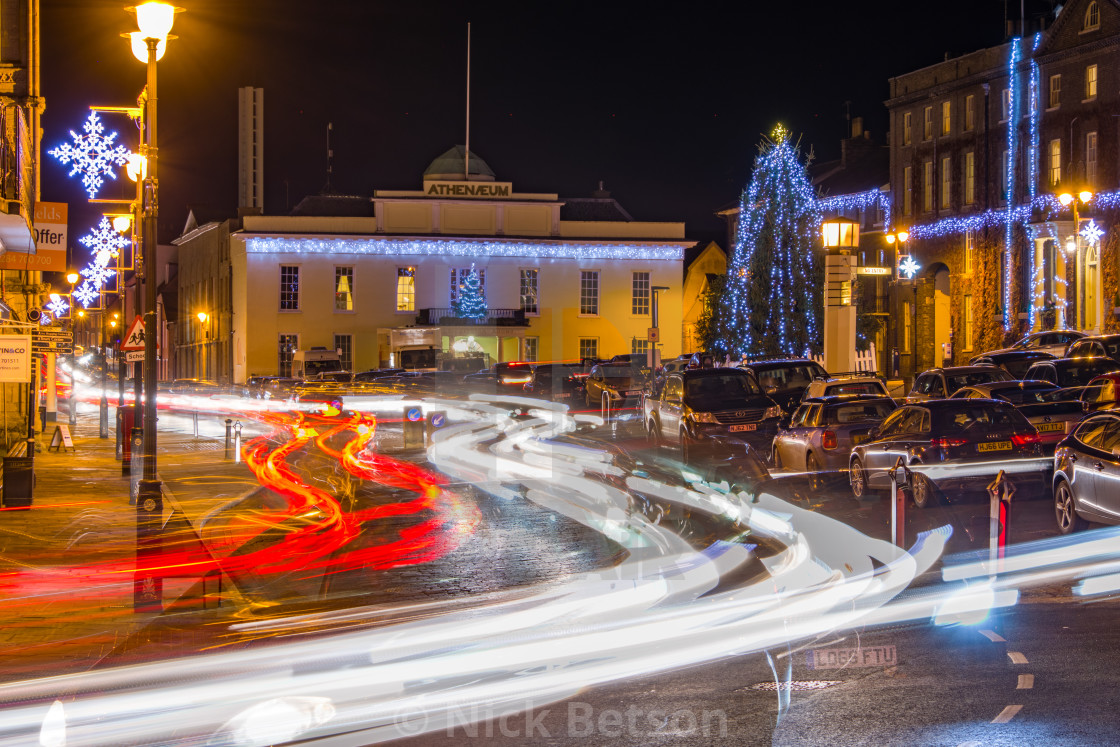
(470, 302)
(772, 296)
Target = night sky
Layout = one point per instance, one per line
(666, 108)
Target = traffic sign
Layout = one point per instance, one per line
(134, 340)
(414, 414)
(52, 341)
(134, 356)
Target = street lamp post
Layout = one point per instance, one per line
(72, 278)
(899, 239)
(840, 237)
(1073, 202)
(203, 345)
(154, 20)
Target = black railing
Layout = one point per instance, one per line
(493, 318)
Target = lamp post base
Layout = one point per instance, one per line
(103, 421)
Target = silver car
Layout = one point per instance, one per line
(823, 431)
(1086, 470)
(1054, 341)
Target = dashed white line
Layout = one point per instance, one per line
(1026, 682)
(993, 636)
(1016, 657)
(970, 744)
(1007, 714)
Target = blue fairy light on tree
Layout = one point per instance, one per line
(772, 299)
(471, 303)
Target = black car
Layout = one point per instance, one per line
(618, 384)
(710, 408)
(1086, 471)
(785, 381)
(559, 382)
(1071, 372)
(1097, 346)
(953, 431)
(1014, 362)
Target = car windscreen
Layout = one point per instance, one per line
(617, 375)
(972, 378)
(1081, 372)
(1027, 394)
(978, 418)
(1018, 368)
(787, 377)
(705, 392)
(858, 412)
(855, 387)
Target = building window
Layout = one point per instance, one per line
(927, 123)
(967, 314)
(1090, 82)
(969, 251)
(289, 288)
(639, 345)
(459, 277)
(1091, 157)
(289, 344)
(344, 346)
(588, 347)
(529, 278)
(1092, 17)
(946, 118)
(589, 293)
(1055, 91)
(907, 190)
(907, 320)
(1003, 182)
(344, 289)
(927, 186)
(1005, 105)
(532, 348)
(969, 178)
(1055, 162)
(639, 300)
(406, 289)
(907, 128)
(969, 113)
(946, 182)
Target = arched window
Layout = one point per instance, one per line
(1092, 17)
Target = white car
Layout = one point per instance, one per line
(869, 384)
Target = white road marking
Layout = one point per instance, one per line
(1026, 682)
(970, 744)
(1007, 714)
(1016, 657)
(993, 636)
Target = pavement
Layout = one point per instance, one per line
(67, 562)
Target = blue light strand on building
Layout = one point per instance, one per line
(1009, 193)
(460, 248)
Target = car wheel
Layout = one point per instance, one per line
(653, 435)
(924, 492)
(1065, 511)
(857, 476)
(687, 452)
(813, 467)
(587, 398)
(776, 458)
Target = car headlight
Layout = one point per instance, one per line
(772, 412)
(704, 417)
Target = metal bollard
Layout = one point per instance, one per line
(196, 423)
(229, 437)
(1000, 491)
(237, 442)
(898, 502)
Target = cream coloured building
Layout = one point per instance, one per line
(563, 278)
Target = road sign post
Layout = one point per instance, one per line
(436, 419)
(1000, 492)
(412, 427)
(898, 502)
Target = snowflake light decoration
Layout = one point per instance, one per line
(105, 240)
(86, 294)
(58, 307)
(97, 274)
(94, 154)
(909, 267)
(1092, 233)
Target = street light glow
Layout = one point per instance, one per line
(154, 19)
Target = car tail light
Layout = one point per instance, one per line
(945, 443)
(1025, 439)
(828, 441)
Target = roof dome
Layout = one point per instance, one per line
(449, 167)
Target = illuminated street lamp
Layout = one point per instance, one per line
(154, 21)
(840, 238)
(1074, 245)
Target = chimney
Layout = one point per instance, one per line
(857, 126)
(601, 193)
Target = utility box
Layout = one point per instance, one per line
(19, 481)
(126, 422)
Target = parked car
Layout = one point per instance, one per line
(710, 408)
(618, 383)
(195, 387)
(1086, 471)
(867, 384)
(256, 385)
(939, 383)
(1015, 362)
(1053, 341)
(785, 381)
(338, 377)
(1071, 372)
(823, 430)
(364, 377)
(1097, 346)
(952, 431)
(557, 382)
(1101, 393)
(677, 364)
(279, 387)
(1047, 406)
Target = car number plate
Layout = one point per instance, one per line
(995, 446)
(564, 394)
(631, 394)
(1051, 427)
(747, 427)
